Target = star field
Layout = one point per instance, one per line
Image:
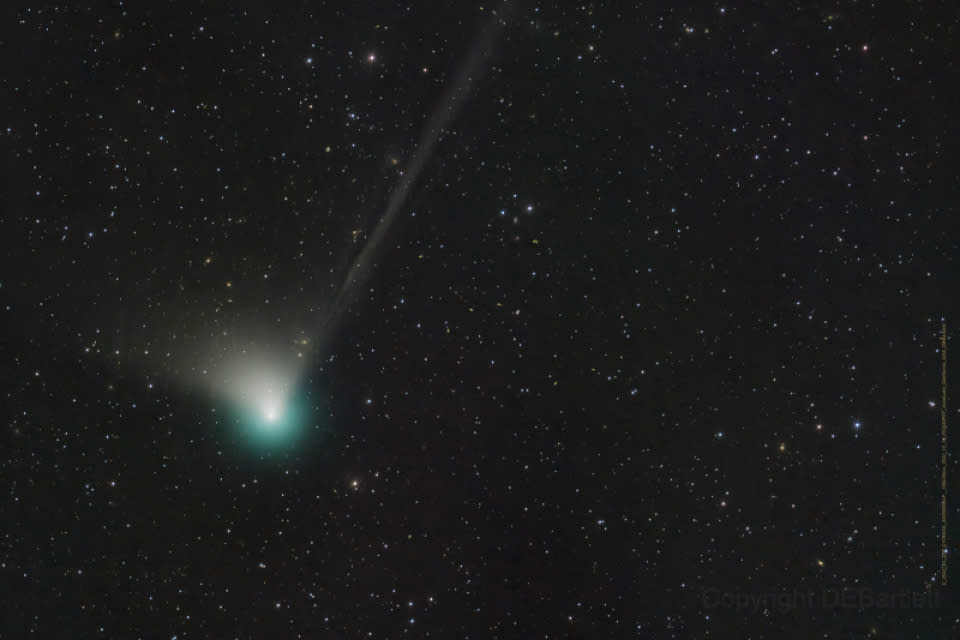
(519, 319)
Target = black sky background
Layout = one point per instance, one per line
(657, 246)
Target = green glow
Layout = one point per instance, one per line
(274, 424)
(268, 407)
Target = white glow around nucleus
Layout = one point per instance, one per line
(262, 386)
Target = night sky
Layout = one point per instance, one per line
(521, 320)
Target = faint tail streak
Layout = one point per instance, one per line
(453, 98)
